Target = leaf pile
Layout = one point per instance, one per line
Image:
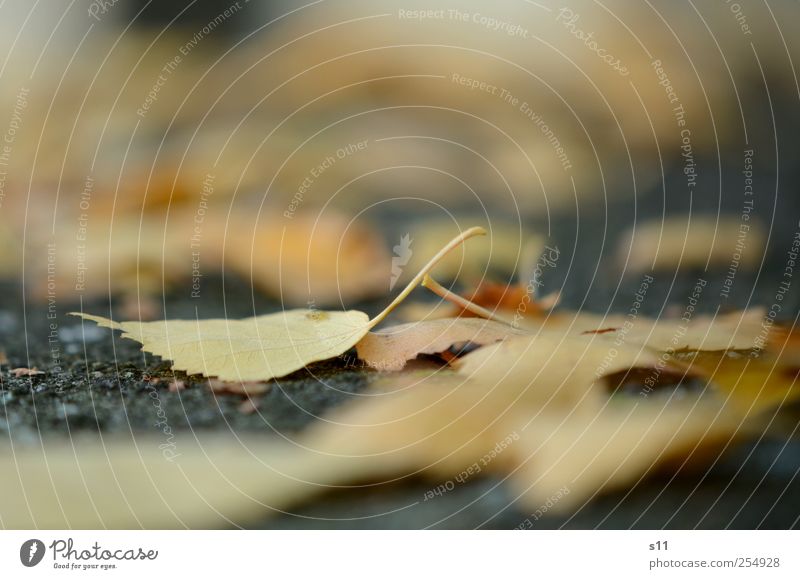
(552, 400)
(268, 346)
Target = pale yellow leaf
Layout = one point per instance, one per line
(624, 442)
(263, 347)
(558, 369)
(250, 349)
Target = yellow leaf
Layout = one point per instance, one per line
(739, 330)
(750, 381)
(557, 369)
(263, 347)
(257, 348)
(618, 447)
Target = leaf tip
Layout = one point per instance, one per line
(99, 320)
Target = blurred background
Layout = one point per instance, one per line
(149, 145)
(211, 158)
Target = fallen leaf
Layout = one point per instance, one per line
(119, 482)
(429, 421)
(389, 349)
(263, 347)
(322, 259)
(509, 304)
(512, 298)
(691, 242)
(247, 350)
(742, 330)
(325, 259)
(560, 370)
(619, 446)
(630, 438)
(442, 423)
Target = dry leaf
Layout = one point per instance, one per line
(628, 439)
(691, 242)
(205, 481)
(752, 381)
(434, 422)
(263, 347)
(512, 298)
(111, 255)
(443, 424)
(743, 330)
(389, 349)
(617, 447)
(733, 331)
(321, 259)
(248, 350)
(326, 258)
(560, 370)
(509, 304)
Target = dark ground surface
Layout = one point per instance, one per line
(102, 385)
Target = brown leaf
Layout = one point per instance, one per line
(742, 330)
(618, 447)
(389, 349)
(506, 299)
(751, 381)
(262, 347)
(250, 349)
